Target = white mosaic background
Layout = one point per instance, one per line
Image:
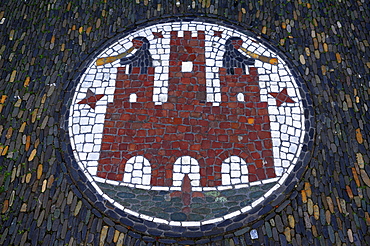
(287, 121)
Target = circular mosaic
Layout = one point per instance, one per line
(189, 123)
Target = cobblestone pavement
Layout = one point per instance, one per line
(60, 184)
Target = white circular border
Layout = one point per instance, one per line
(86, 125)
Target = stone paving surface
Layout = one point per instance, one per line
(45, 45)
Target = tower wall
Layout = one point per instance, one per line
(187, 86)
(186, 125)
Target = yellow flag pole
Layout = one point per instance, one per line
(110, 59)
(271, 60)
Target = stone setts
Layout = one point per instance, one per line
(46, 195)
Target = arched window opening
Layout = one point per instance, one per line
(186, 165)
(137, 171)
(234, 170)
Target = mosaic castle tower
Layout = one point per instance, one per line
(187, 125)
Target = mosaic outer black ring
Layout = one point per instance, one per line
(83, 187)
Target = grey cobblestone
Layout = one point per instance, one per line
(44, 43)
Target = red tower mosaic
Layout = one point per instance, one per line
(187, 125)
